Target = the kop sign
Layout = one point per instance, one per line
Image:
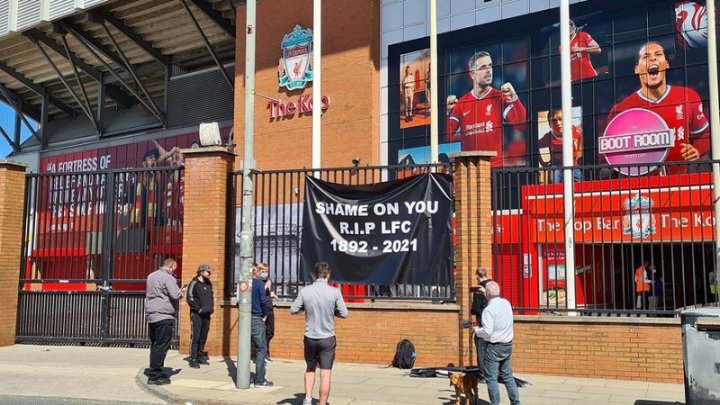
(295, 70)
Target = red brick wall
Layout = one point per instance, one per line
(350, 77)
(637, 349)
(371, 332)
(205, 233)
(643, 350)
(473, 236)
(12, 199)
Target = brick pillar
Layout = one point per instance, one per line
(473, 239)
(205, 232)
(12, 201)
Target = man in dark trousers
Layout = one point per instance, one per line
(479, 303)
(161, 304)
(260, 310)
(200, 299)
(322, 304)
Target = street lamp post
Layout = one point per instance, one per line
(244, 292)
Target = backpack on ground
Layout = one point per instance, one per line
(404, 355)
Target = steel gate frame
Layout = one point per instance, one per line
(89, 241)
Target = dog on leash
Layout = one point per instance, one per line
(464, 384)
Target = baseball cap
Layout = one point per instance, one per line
(204, 267)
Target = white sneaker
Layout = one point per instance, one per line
(307, 401)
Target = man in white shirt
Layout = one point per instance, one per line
(497, 330)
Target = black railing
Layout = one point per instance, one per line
(77, 317)
(96, 236)
(625, 227)
(278, 197)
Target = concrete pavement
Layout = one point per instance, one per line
(97, 374)
(115, 375)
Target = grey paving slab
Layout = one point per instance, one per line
(546, 401)
(635, 392)
(73, 372)
(592, 382)
(562, 387)
(575, 395)
(116, 375)
(627, 384)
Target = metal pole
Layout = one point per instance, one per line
(568, 159)
(433, 83)
(317, 85)
(244, 293)
(714, 127)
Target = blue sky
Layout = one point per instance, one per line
(7, 121)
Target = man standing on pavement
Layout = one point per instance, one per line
(321, 304)
(479, 302)
(161, 304)
(260, 310)
(200, 300)
(497, 330)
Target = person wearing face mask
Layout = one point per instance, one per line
(200, 299)
(260, 309)
(270, 318)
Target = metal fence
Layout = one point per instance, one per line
(278, 197)
(90, 240)
(643, 243)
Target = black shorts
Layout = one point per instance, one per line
(319, 353)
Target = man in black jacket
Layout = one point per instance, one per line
(200, 299)
(479, 303)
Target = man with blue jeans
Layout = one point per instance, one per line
(260, 309)
(497, 330)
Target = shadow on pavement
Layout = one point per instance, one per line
(298, 400)
(451, 401)
(168, 371)
(648, 402)
(232, 369)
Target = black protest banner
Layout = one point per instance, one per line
(381, 234)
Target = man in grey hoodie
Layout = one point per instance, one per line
(161, 303)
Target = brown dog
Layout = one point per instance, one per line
(464, 384)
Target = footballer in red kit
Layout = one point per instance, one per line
(582, 45)
(680, 107)
(476, 119)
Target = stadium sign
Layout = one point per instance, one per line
(636, 137)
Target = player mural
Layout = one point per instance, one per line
(582, 45)
(659, 122)
(639, 89)
(477, 118)
(415, 89)
(550, 125)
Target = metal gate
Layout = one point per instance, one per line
(643, 245)
(90, 240)
(278, 198)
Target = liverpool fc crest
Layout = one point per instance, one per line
(639, 221)
(295, 66)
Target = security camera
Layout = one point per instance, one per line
(356, 161)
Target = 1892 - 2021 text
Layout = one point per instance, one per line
(388, 246)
